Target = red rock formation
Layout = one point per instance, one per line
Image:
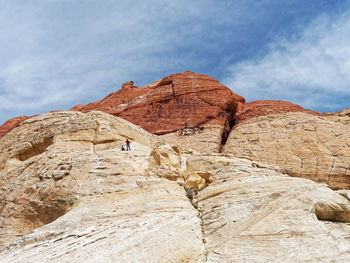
(266, 107)
(165, 106)
(10, 124)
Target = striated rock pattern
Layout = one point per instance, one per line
(304, 145)
(69, 194)
(252, 213)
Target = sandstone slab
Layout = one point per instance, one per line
(252, 214)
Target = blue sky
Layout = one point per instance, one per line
(55, 54)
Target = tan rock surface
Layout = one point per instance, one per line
(69, 194)
(49, 162)
(252, 214)
(306, 146)
(151, 223)
(205, 139)
(339, 116)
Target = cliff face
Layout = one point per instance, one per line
(69, 194)
(305, 145)
(219, 180)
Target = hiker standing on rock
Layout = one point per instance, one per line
(127, 145)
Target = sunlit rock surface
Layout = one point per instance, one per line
(305, 145)
(70, 194)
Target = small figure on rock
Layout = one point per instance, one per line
(127, 145)
(123, 149)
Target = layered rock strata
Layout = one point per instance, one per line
(252, 214)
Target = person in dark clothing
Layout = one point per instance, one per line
(127, 145)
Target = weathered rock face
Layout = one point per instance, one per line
(252, 214)
(68, 193)
(340, 116)
(53, 161)
(306, 146)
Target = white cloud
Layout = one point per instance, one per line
(55, 54)
(311, 69)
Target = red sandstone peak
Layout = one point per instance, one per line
(185, 98)
(167, 105)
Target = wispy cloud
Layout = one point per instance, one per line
(311, 69)
(59, 53)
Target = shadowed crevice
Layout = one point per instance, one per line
(35, 149)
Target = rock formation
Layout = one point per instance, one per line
(184, 100)
(217, 181)
(305, 145)
(170, 104)
(69, 194)
(340, 116)
(44, 150)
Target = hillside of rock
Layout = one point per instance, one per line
(305, 145)
(69, 194)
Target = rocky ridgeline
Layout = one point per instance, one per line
(226, 181)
